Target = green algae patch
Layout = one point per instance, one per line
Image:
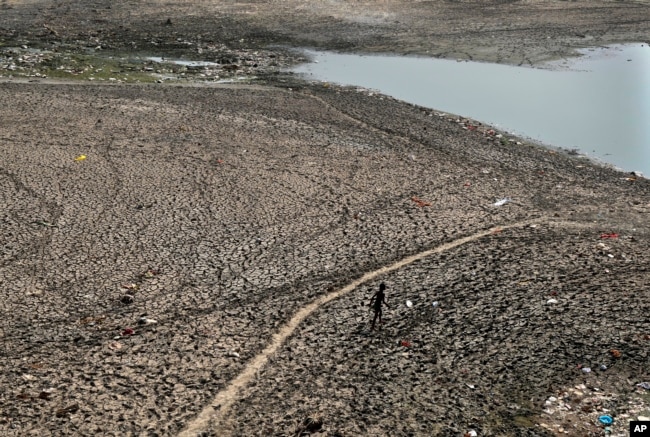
(88, 67)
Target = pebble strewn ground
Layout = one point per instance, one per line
(154, 238)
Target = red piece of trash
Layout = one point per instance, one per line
(612, 235)
(419, 202)
(405, 343)
(128, 331)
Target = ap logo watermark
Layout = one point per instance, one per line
(640, 428)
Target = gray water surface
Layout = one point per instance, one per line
(598, 103)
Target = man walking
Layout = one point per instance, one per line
(377, 300)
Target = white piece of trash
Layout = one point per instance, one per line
(409, 303)
(502, 201)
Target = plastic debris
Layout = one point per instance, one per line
(80, 158)
(146, 321)
(615, 353)
(233, 354)
(405, 343)
(46, 224)
(586, 369)
(409, 303)
(127, 332)
(610, 235)
(645, 385)
(603, 367)
(502, 202)
(419, 202)
(67, 410)
(114, 345)
(150, 273)
(605, 419)
(470, 433)
(435, 304)
(551, 301)
(127, 298)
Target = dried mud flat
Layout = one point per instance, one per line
(158, 240)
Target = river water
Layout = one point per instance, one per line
(597, 104)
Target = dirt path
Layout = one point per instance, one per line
(218, 409)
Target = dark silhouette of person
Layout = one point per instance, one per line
(377, 300)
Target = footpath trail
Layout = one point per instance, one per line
(214, 414)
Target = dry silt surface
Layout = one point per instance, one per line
(155, 238)
(200, 259)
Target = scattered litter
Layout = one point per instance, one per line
(586, 369)
(409, 303)
(435, 303)
(611, 235)
(127, 298)
(233, 354)
(470, 433)
(603, 367)
(645, 385)
(127, 332)
(80, 158)
(605, 419)
(67, 410)
(131, 286)
(551, 301)
(146, 321)
(44, 223)
(405, 343)
(615, 353)
(150, 273)
(419, 202)
(502, 202)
